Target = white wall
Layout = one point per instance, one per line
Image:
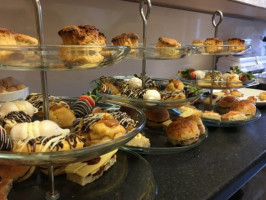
(114, 17)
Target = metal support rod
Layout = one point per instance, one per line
(53, 195)
(144, 36)
(43, 74)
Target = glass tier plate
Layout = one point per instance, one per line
(151, 52)
(59, 57)
(116, 183)
(141, 103)
(86, 153)
(220, 50)
(208, 84)
(160, 145)
(215, 123)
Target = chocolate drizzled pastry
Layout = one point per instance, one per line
(5, 141)
(16, 117)
(117, 82)
(124, 119)
(134, 93)
(82, 125)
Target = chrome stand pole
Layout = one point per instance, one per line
(144, 36)
(53, 195)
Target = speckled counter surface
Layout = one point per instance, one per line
(217, 168)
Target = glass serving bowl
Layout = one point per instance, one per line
(59, 57)
(151, 52)
(220, 50)
(141, 103)
(209, 84)
(86, 153)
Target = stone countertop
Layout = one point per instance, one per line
(217, 168)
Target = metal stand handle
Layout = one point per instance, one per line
(144, 19)
(53, 195)
(214, 58)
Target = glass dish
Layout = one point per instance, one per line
(59, 57)
(220, 50)
(86, 153)
(215, 123)
(117, 183)
(141, 103)
(159, 144)
(208, 84)
(151, 52)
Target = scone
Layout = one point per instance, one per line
(22, 39)
(236, 44)
(213, 45)
(82, 35)
(172, 45)
(127, 39)
(155, 117)
(6, 38)
(225, 103)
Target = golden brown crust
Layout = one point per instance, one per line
(183, 131)
(227, 101)
(126, 39)
(22, 39)
(157, 114)
(237, 44)
(174, 85)
(82, 35)
(244, 106)
(262, 96)
(62, 115)
(167, 42)
(213, 45)
(236, 93)
(198, 42)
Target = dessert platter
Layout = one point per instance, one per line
(234, 78)
(161, 92)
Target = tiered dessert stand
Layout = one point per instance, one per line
(46, 58)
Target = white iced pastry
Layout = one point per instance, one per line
(135, 83)
(152, 95)
(24, 106)
(45, 128)
(227, 76)
(199, 74)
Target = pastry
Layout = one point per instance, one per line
(5, 141)
(236, 44)
(87, 35)
(186, 111)
(139, 141)
(63, 116)
(244, 106)
(24, 106)
(234, 81)
(211, 115)
(168, 95)
(63, 142)
(168, 47)
(6, 38)
(216, 96)
(115, 85)
(234, 116)
(252, 99)
(174, 85)
(182, 131)
(199, 122)
(198, 42)
(225, 103)
(27, 131)
(124, 119)
(156, 116)
(15, 117)
(262, 96)
(126, 39)
(213, 45)
(86, 172)
(22, 39)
